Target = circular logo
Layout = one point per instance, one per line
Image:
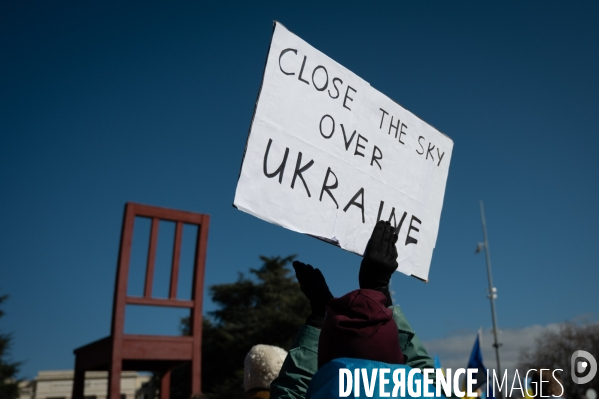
(579, 366)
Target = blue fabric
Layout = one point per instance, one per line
(476, 362)
(437, 362)
(325, 383)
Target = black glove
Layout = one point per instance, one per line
(380, 259)
(315, 288)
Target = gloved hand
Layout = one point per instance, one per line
(315, 288)
(380, 259)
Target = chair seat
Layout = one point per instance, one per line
(97, 355)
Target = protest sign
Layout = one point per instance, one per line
(328, 155)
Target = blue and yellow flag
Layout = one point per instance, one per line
(476, 362)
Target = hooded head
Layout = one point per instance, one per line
(359, 325)
(262, 365)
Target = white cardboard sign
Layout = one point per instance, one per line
(328, 155)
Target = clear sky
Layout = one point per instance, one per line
(104, 102)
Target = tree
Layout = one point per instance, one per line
(266, 310)
(9, 385)
(554, 349)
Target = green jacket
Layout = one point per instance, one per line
(302, 361)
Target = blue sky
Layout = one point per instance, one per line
(103, 103)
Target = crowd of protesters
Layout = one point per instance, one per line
(359, 330)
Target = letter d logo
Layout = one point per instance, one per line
(580, 366)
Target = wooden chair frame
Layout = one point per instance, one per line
(121, 351)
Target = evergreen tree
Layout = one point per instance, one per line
(268, 309)
(9, 385)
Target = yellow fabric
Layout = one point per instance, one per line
(257, 393)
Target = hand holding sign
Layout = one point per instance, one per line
(380, 259)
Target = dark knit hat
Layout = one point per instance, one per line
(360, 326)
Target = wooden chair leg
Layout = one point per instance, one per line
(114, 379)
(78, 382)
(165, 385)
(196, 376)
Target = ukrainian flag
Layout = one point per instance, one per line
(476, 362)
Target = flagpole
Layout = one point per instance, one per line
(492, 293)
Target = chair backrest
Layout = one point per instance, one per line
(156, 214)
